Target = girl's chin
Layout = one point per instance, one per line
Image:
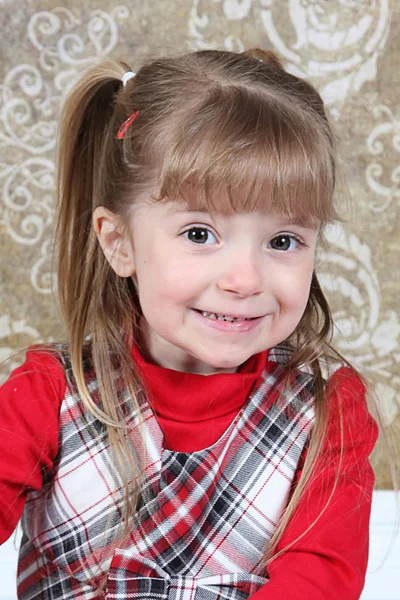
(212, 367)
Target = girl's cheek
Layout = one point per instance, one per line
(294, 281)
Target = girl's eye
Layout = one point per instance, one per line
(198, 235)
(285, 242)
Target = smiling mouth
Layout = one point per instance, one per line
(228, 318)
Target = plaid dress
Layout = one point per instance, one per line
(204, 517)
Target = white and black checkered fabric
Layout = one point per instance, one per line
(205, 517)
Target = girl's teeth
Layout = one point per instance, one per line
(220, 317)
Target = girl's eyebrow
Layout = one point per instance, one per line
(311, 224)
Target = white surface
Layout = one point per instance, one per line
(383, 576)
(8, 567)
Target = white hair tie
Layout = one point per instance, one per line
(127, 76)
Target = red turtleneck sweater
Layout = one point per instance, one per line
(193, 412)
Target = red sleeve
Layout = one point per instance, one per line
(330, 561)
(29, 423)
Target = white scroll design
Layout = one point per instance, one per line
(366, 333)
(383, 142)
(30, 99)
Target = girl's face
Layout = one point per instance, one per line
(247, 265)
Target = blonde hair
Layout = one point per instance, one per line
(221, 121)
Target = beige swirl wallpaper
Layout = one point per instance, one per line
(349, 49)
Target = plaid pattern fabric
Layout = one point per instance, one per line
(204, 519)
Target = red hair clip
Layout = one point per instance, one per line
(125, 125)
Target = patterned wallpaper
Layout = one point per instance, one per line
(348, 48)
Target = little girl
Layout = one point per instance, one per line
(197, 438)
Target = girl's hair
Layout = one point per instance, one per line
(209, 122)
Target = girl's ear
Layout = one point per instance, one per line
(114, 241)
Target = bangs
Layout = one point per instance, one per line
(241, 153)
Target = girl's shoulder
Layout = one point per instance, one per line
(345, 388)
(30, 403)
(349, 403)
(41, 374)
(43, 379)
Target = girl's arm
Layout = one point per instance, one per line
(29, 410)
(330, 561)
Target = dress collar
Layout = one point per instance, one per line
(179, 398)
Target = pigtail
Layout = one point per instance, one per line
(84, 122)
(93, 299)
(311, 343)
(86, 156)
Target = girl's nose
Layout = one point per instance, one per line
(243, 276)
